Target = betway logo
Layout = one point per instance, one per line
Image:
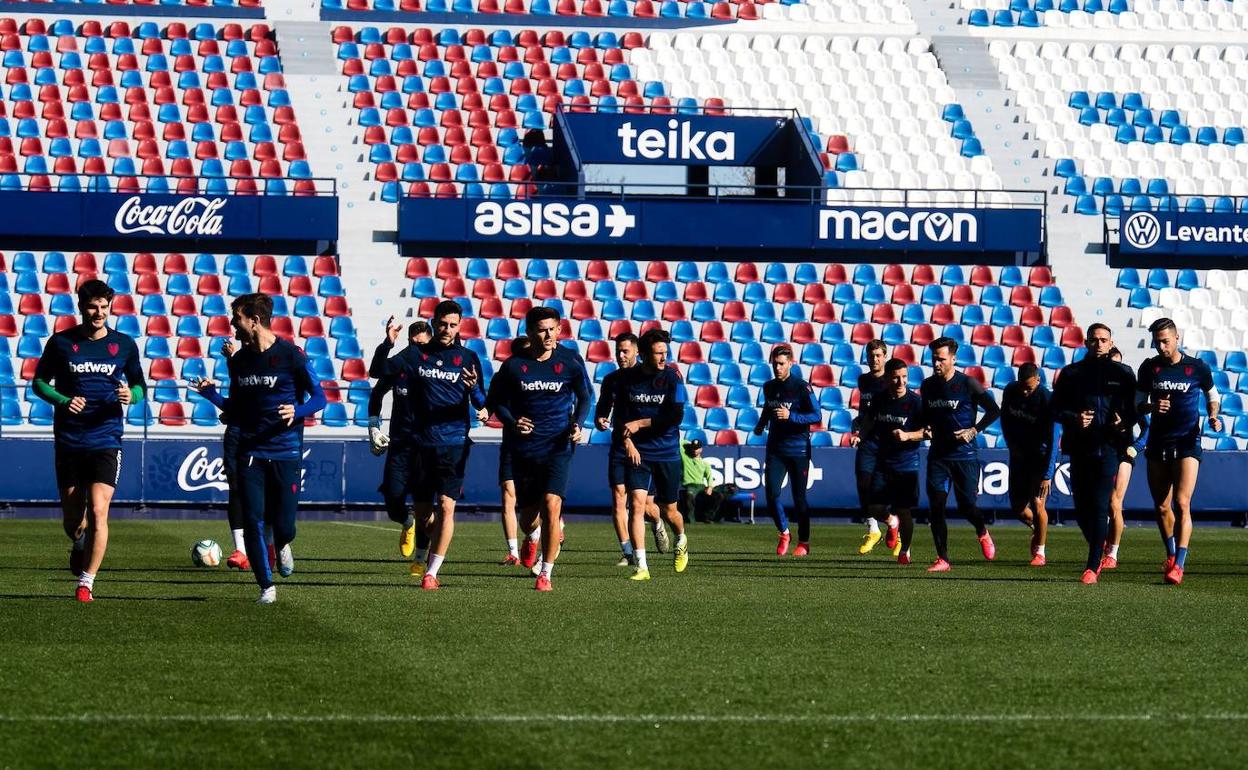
(198, 471)
(92, 367)
(900, 226)
(1021, 414)
(551, 220)
(943, 404)
(1179, 387)
(252, 380)
(680, 142)
(437, 374)
(536, 385)
(189, 216)
(647, 398)
(892, 419)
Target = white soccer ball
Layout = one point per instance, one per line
(206, 553)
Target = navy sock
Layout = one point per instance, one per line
(1180, 557)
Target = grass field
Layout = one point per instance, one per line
(746, 660)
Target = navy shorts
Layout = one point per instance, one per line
(80, 468)
(1026, 473)
(617, 469)
(394, 477)
(896, 489)
(864, 469)
(438, 471)
(959, 476)
(539, 476)
(505, 471)
(660, 478)
(1173, 450)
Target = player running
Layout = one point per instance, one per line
(870, 384)
(1094, 400)
(1032, 436)
(81, 374)
(507, 491)
(617, 458)
(272, 391)
(1171, 385)
(397, 445)
(650, 403)
(234, 501)
(789, 413)
(950, 403)
(894, 423)
(443, 391)
(541, 396)
(1126, 464)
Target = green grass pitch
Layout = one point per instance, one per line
(744, 661)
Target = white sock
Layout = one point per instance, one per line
(626, 547)
(1039, 550)
(239, 543)
(435, 563)
(86, 580)
(907, 553)
(547, 568)
(681, 540)
(535, 535)
(512, 548)
(1113, 552)
(873, 526)
(784, 532)
(893, 521)
(640, 553)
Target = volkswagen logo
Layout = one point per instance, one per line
(1142, 230)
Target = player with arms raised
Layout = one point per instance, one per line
(90, 373)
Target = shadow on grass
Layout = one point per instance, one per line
(45, 597)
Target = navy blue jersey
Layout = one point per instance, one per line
(885, 414)
(659, 397)
(791, 437)
(1184, 383)
(260, 382)
(553, 394)
(93, 369)
(438, 403)
(869, 386)
(606, 404)
(1028, 426)
(1100, 386)
(392, 376)
(950, 406)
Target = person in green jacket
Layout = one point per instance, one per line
(697, 484)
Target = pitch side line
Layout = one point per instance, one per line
(829, 719)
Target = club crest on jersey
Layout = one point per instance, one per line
(113, 347)
(457, 360)
(75, 347)
(524, 368)
(272, 360)
(1187, 370)
(294, 488)
(558, 368)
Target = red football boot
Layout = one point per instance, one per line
(1167, 565)
(940, 566)
(1109, 562)
(903, 558)
(1037, 560)
(802, 549)
(987, 546)
(782, 546)
(528, 553)
(83, 594)
(1089, 577)
(238, 561)
(891, 538)
(543, 583)
(1175, 576)
(429, 583)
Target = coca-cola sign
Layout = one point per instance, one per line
(199, 471)
(192, 216)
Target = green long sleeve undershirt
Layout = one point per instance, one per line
(44, 390)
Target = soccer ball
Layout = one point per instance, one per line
(206, 553)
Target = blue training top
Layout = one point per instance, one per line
(437, 400)
(1027, 424)
(657, 396)
(791, 437)
(260, 382)
(1107, 390)
(93, 369)
(887, 413)
(606, 404)
(950, 406)
(869, 386)
(397, 383)
(554, 394)
(1184, 383)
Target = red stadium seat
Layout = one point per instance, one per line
(1023, 354)
(707, 397)
(1072, 337)
(862, 333)
(727, 437)
(673, 310)
(981, 275)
